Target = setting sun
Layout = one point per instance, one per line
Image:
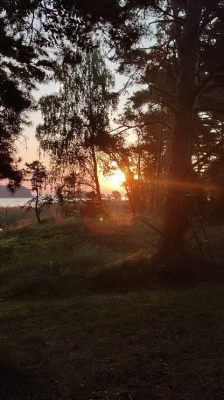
(116, 179)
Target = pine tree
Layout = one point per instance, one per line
(30, 34)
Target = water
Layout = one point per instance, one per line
(13, 201)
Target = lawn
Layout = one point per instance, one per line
(64, 336)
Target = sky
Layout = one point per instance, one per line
(28, 147)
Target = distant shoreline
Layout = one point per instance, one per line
(14, 197)
(13, 201)
(21, 193)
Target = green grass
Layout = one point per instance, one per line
(78, 321)
(60, 259)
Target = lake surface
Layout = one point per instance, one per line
(13, 201)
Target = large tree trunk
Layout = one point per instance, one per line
(131, 202)
(182, 141)
(156, 175)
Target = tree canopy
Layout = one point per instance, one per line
(76, 119)
(31, 33)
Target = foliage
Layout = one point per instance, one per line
(76, 119)
(18, 74)
(31, 33)
(116, 195)
(36, 174)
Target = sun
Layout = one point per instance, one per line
(116, 179)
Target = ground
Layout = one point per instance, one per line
(68, 333)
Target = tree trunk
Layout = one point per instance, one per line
(156, 176)
(131, 202)
(38, 216)
(182, 141)
(95, 172)
(37, 213)
(36, 207)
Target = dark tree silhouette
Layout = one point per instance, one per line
(116, 195)
(36, 174)
(28, 29)
(178, 45)
(77, 118)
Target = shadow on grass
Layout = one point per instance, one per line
(153, 273)
(133, 273)
(16, 383)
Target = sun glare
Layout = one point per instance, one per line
(116, 179)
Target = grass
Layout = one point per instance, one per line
(63, 258)
(78, 321)
(13, 216)
(20, 216)
(154, 345)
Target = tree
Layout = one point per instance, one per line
(16, 62)
(116, 195)
(28, 29)
(183, 63)
(68, 191)
(36, 174)
(147, 157)
(76, 119)
(215, 178)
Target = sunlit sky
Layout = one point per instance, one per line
(28, 147)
